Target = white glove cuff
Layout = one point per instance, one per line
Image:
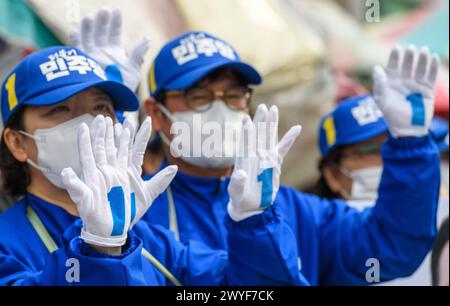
(237, 215)
(102, 241)
(411, 132)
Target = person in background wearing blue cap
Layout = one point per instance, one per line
(350, 141)
(83, 195)
(198, 73)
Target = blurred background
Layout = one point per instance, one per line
(312, 53)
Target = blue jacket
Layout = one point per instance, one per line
(336, 243)
(261, 252)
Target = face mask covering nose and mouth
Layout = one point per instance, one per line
(365, 182)
(57, 149)
(211, 151)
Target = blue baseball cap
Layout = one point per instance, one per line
(354, 120)
(188, 58)
(439, 133)
(53, 75)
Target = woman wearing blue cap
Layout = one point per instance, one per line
(350, 142)
(351, 167)
(199, 74)
(82, 196)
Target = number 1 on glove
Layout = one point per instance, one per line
(265, 178)
(404, 91)
(256, 175)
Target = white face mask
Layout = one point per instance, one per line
(190, 146)
(365, 182)
(58, 149)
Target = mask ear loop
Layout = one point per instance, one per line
(30, 136)
(342, 170)
(34, 165)
(347, 174)
(29, 161)
(165, 111)
(344, 194)
(163, 137)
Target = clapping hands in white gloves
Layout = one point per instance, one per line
(101, 38)
(143, 191)
(104, 194)
(404, 91)
(256, 175)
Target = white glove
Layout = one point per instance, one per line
(143, 192)
(405, 91)
(256, 175)
(102, 195)
(101, 38)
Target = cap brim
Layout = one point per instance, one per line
(366, 135)
(359, 137)
(195, 75)
(123, 98)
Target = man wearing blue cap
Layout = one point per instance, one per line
(83, 195)
(198, 80)
(199, 85)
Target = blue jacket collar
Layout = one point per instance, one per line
(195, 183)
(61, 225)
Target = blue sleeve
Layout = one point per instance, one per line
(94, 268)
(262, 251)
(397, 232)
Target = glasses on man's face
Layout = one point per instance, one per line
(200, 99)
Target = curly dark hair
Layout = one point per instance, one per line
(14, 175)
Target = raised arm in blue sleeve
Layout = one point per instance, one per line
(398, 232)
